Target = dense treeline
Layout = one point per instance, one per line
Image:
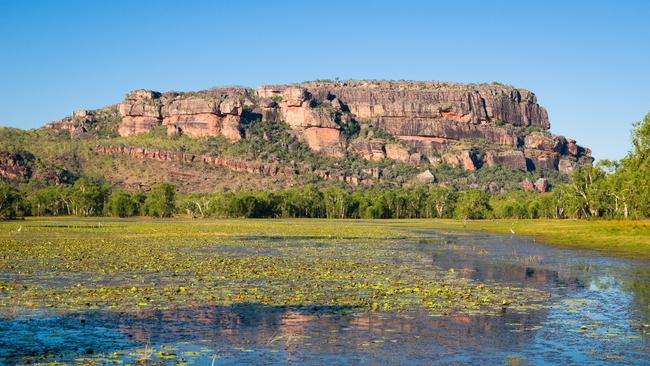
(607, 190)
(86, 198)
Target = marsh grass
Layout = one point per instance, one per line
(621, 238)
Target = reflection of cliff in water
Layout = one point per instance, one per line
(294, 330)
(318, 329)
(610, 297)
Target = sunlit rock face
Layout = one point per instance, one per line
(210, 113)
(470, 126)
(318, 123)
(433, 119)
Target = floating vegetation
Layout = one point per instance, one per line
(130, 267)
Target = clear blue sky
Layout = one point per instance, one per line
(587, 61)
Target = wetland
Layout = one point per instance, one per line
(311, 291)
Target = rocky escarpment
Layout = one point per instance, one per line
(13, 166)
(463, 125)
(22, 167)
(367, 177)
(211, 113)
(458, 124)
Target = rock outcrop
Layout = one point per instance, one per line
(513, 159)
(162, 155)
(13, 166)
(211, 113)
(541, 185)
(431, 118)
(84, 123)
(464, 125)
(426, 177)
(368, 177)
(377, 149)
(317, 123)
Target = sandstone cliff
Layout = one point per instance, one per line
(458, 124)
(211, 113)
(463, 125)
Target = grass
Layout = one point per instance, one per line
(72, 265)
(628, 239)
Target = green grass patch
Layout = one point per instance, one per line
(629, 238)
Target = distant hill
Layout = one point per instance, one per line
(362, 133)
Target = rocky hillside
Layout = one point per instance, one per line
(357, 127)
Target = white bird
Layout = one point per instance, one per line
(511, 230)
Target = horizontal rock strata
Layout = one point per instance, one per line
(370, 177)
(213, 113)
(465, 125)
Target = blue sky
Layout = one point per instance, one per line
(588, 62)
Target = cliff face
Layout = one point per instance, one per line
(217, 112)
(458, 124)
(465, 125)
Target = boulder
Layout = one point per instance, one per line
(464, 160)
(527, 186)
(295, 96)
(231, 105)
(397, 152)
(426, 177)
(541, 185)
(566, 165)
(541, 141)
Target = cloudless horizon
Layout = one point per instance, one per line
(587, 62)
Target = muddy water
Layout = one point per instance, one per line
(598, 313)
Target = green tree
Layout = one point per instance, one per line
(513, 205)
(313, 204)
(47, 201)
(589, 190)
(10, 202)
(337, 202)
(472, 204)
(633, 182)
(161, 202)
(121, 204)
(441, 202)
(85, 198)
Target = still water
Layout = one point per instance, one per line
(598, 312)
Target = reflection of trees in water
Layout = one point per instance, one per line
(519, 273)
(637, 282)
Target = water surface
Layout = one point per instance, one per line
(598, 312)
